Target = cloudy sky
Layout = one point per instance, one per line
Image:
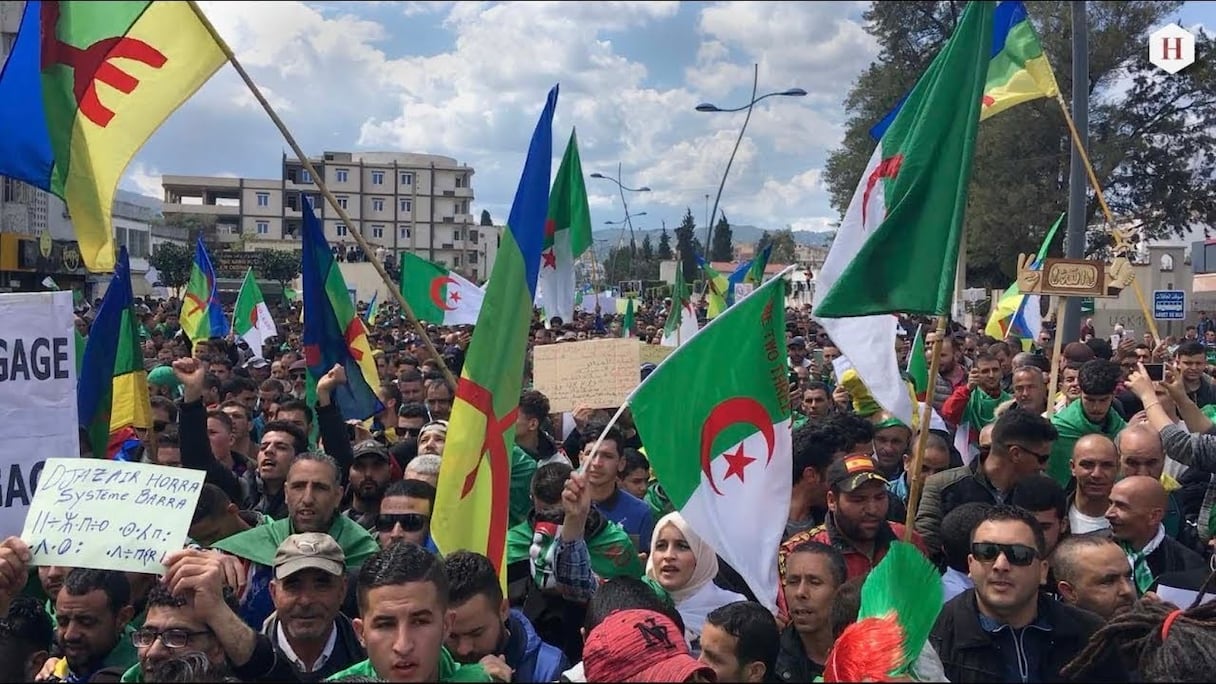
(468, 80)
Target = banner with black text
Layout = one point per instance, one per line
(37, 395)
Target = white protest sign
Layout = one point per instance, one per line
(37, 395)
(110, 515)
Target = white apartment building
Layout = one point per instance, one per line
(401, 202)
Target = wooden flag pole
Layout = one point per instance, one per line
(916, 480)
(1106, 212)
(368, 252)
(1057, 345)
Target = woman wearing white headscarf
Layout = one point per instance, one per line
(684, 565)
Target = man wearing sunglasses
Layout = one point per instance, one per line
(1018, 446)
(405, 514)
(1003, 630)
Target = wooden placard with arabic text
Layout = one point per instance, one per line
(1063, 277)
(593, 373)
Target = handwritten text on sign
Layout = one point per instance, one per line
(110, 515)
(597, 373)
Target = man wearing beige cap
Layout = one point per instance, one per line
(307, 627)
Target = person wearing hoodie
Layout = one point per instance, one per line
(1098, 379)
(486, 630)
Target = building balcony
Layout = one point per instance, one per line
(201, 209)
(464, 192)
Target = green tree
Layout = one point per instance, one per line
(647, 248)
(765, 239)
(1150, 132)
(485, 218)
(193, 226)
(173, 262)
(784, 246)
(689, 246)
(664, 251)
(277, 265)
(722, 248)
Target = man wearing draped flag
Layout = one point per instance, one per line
(472, 499)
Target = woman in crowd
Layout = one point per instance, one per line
(685, 566)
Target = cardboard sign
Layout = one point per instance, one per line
(594, 373)
(654, 353)
(110, 515)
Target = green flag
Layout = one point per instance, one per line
(567, 236)
(720, 442)
(438, 295)
(627, 325)
(897, 247)
(251, 319)
(682, 317)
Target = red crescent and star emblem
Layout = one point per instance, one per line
(437, 292)
(548, 256)
(727, 413)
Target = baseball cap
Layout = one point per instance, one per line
(299, 365)
(639, 646)
(315, 550)
(797, 342)
(852, 471)
(257, 362)
(370, 447)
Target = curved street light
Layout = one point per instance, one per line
(707, 107)
(624, 203)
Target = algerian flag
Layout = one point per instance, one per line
(438, 295)
(682, 319)
(897, 247)
(627, 325)
(251, 319)
(567, 236)
(720, 442)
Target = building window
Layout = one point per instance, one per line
(341, 230)
(378, 231)
(473, 236)
(456, 261)
(341, 175)
(473, 257)
(377, 178)
(305, 176)
(460, 181)
(342, 201)
(407, 178)
(314, 201)
(405, 233)
(263, 227)
(263, 199)
(377, 204)
(405, 205)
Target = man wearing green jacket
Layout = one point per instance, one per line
(403, 600)
(1093, 414)
(313, 494)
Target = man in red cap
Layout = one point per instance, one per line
(640, 646)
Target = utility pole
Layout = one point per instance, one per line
(1078, 185)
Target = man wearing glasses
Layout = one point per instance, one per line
(405, 514)
(1013, 448)
(1003, 630)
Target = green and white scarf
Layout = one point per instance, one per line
(1142, 575)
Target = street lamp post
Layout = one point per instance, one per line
(706, 107)
(624, 202)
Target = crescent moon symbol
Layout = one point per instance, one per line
(436, 296)
(727, 413)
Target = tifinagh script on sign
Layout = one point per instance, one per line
(110, 515)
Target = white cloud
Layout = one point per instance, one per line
(344, 77)
(144, 180)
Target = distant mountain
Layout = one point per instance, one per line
(742, 234)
